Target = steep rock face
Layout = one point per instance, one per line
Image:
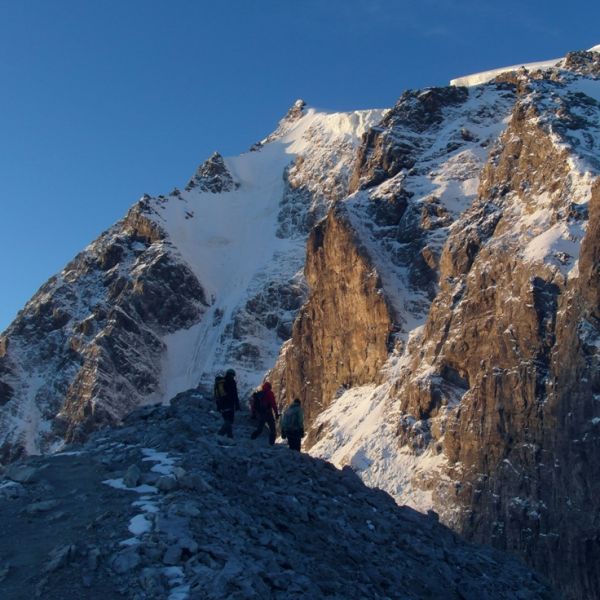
(339, 340)
(87, 346)
(491, 339)
(490, 387)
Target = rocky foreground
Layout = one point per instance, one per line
(164, 508)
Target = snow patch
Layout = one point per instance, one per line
(360, 433)
(485, 76)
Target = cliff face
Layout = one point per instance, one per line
(494, 332)
(339, 340)
(486, 403)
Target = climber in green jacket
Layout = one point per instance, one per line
(292, 425)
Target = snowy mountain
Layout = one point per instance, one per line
(185, 286)
(424, 278)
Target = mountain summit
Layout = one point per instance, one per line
(424, 278)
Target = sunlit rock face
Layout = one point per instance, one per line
(478, 218)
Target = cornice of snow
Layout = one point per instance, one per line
(485, 76)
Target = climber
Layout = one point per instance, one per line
(265, 408)
(292, 425)
(226, 397)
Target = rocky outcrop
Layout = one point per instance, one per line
(90, 339)
(340, 337)
(212, 176)
(383, 152)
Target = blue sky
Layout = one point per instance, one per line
(101, 101)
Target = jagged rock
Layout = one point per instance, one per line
(213, 176)
(59, 557)
(166, 484)
(12, 490)
(93, 559)
(172, 555)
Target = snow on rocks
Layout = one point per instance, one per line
(486, 76)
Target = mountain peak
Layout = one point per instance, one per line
(296, 111)
(212, 176)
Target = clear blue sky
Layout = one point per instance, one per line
(101, 101)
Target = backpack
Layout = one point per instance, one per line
(291, 420)
(260, 403)
(220, 392)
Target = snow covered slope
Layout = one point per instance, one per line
(207, 278)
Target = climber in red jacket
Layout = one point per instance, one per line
(265, 408)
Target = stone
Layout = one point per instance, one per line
(194, 481)
(151, 582)
(93, 559)
(125, 561)
(172, 555)
(166, 483)
(12, 490)
(132, 476)
(59, 557)
(179, 473)
(22, 473)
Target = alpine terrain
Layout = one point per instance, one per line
(425, 278)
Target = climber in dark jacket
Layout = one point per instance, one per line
(265, 408)
(228, 404)
(292, 425)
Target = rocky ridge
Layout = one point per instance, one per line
(163, 508)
